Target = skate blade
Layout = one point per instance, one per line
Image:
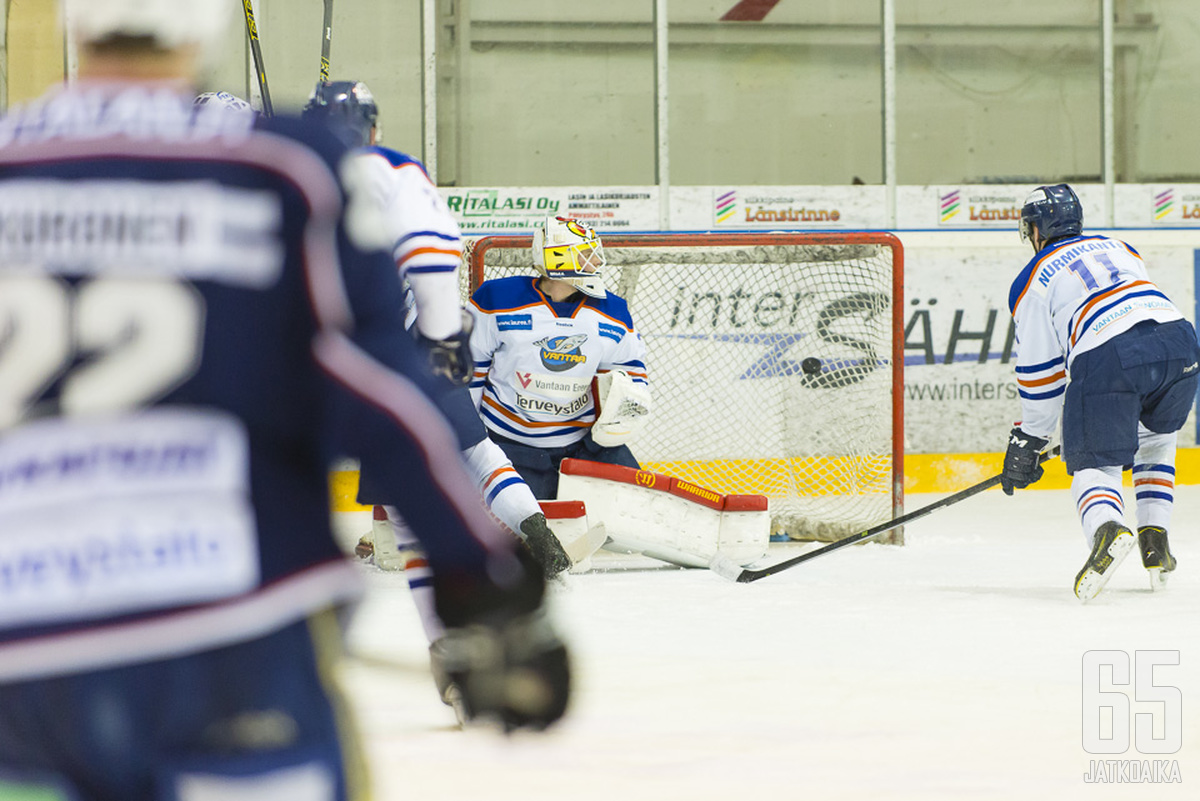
(1089, 584)
(1158, 578)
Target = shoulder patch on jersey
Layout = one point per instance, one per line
(514, 322)
(614, 332)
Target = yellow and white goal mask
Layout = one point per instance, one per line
(565, 249)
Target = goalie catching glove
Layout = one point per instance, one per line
(624, 406)
(500, 657)
(1022, 461)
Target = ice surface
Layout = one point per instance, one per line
(947, 669)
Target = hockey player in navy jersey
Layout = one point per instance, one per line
(1102, 346)
(426, 245)
(198, 320)
(538, 342)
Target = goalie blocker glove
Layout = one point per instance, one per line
(500, 652)
(1022, 461)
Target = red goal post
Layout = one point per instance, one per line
(776, 362)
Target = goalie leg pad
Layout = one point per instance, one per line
(665, 518)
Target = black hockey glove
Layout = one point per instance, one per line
(500, 654)
(1022, 462)
(451, 357)
(544, 546)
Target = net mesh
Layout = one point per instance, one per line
(770, 367)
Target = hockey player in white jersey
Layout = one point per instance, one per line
(1101, 346)
(538, 342)
(427, 248)
(427, 243)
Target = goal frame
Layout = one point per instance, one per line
(476, 251)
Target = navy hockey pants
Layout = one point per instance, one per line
(1147, 374)
(258, 711)
(539, 466)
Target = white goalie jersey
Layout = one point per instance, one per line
(535, 359)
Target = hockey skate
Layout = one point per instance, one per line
(448, 690)
(1112, 544)
(1156, 555)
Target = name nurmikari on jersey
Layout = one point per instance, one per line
(1070, 298)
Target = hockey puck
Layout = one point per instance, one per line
(811, 365)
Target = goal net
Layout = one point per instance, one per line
(775, 363)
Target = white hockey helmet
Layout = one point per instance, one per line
(222, 100)
(170, 23)
(566, 249)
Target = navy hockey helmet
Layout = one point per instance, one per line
(1056, 212)
(348, 107)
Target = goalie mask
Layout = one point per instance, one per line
(565, 249)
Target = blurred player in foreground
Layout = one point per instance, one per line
(1086, 310)
(538, 341)
(197, 321)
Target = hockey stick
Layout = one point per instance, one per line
(727, 568)
(256, 49)
(326, 41)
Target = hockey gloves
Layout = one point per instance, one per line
(501, 657)
(545, 548)
(1022, 462)
(451, 357)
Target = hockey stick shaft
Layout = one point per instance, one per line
(747, 575)
(256, 50)
(326, 41)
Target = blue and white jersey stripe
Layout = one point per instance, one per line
(1042, 381)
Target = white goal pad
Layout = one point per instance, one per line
(667, 518)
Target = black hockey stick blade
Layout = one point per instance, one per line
(727, 568)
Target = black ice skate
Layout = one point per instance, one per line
(1156, 555)
(1113, 543)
